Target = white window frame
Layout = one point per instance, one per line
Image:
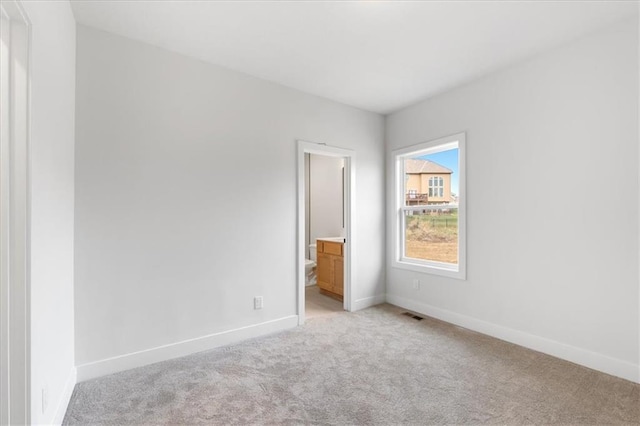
(430, 267)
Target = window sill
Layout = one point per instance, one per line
(433, 268)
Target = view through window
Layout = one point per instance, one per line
(429, 205)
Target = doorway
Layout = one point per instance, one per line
(335, 251)
(14, 215)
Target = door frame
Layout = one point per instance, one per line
(305, 147)
(15, 195)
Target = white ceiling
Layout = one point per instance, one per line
(378, 56)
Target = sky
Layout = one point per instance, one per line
(448, 159)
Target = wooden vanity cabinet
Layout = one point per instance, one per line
(330, 268)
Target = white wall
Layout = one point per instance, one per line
(552, 179)
(325, 197)
(53, 50)
(186, 199)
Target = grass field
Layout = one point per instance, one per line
(432, 237)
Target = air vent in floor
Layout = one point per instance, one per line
(414, 316)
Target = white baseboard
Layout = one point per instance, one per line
(65, 398)
(594, 360)
(368, 302)
(186, 347)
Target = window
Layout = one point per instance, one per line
(436, 187)
(430, 235)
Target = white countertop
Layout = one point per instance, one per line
(332, 239)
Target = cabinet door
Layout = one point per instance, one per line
(338, 275)
(324, 272)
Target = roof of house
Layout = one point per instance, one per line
(415, 165)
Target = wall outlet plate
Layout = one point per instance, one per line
(416, 284)
(257, 302)
(45, 399)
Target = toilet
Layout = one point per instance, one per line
(313, 253)
(309, 266)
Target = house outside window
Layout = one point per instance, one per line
(430, 201)
(427, 182)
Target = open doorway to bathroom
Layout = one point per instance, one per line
(324, 234)
(325, 220)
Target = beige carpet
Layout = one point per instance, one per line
(374, 366)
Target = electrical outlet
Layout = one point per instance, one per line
(416, 284)
(257, 302)
(45, 400)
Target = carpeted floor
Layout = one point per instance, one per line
(374, 366)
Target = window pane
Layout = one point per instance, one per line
(432, 235)
(428, 239)
(423, 178)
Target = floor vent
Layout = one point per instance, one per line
(414, 316)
